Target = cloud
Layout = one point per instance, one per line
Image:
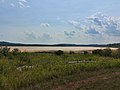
(21, 5)
(25, 1)
(13, 5)
(45, 25)
(17, 3)
(91, 31)
(45, 37)
(96, 18)
(70, 34)
(30, 35)
(74, 22)
(109, 24)
(60, 20)
(99, 23)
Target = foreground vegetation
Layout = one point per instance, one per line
(59, 71)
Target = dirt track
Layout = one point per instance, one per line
(78, 84)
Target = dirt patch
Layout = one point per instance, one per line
(77, 84)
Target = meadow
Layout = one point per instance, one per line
(58, 71)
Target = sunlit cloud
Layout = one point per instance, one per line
(99, 23)
(17, 3)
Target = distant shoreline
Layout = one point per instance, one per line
(114, 45)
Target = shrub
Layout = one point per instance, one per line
(59, 52)
(106, 52)
(85, 52)
(98, 51)
(116, 54)
(15, 51)
(72, 52)
(118, 51)
(5, 51)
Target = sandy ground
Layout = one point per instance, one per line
(67, 49)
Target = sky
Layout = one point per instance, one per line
(60, 21)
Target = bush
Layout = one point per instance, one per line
(98, 51)
(116, 54)
(72, 52)
(85, 52)
(15, 51)
(5, 51)
(105, 52)
(59, 52)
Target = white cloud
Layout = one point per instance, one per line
(17, 3)
(31, 36)
(77, 24)
(21, 5)
(45, 25)
(98, 27)
(74, 22)
(99, 23)
(23, 1)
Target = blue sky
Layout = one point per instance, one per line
(60, 21)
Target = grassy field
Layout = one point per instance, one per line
(48, 71)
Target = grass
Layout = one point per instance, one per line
(49, 71)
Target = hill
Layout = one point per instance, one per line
(3, 43)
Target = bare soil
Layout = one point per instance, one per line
(77, 84)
